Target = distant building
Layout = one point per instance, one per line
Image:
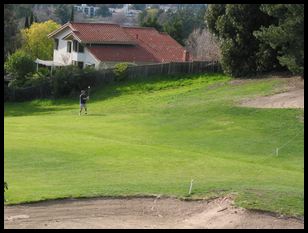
(86, 9)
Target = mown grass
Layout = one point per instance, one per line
(152, 137)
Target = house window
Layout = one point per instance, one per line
(77, 47)
(69, 47)
(75, 44)
(80, 48)
(78, 63)
(56, 44)
(86, 10)
(91, 11)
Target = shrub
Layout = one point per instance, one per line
(19, 64)
(63, 81)
(120, 71)
(87, 77)
(16, 83)
(35, 79)
(69, 80)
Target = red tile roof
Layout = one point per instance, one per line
(143, 44)
(120, 53)
(161, 45)
(98, 32)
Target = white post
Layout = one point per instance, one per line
(190, 188)
(277, 149)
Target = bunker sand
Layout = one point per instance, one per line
(290, 95)
(144, 213)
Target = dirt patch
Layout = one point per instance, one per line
(288, 95)
(129, 213)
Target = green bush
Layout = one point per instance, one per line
(35, 79)
(63, 81)
(43, 71)
(69, 80)
(16, 83)
(19, 64)
(87, 77)
(120, 71)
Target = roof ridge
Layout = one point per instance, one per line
(138, 27)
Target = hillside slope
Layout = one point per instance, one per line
(154, 137)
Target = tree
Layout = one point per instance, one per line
(203, 45)
(36, 42)
(11, 34)
(31, 18)
(152, 22)
(178, 24)
(104, 11)
(174, 29)
(140, 7)
(242, 53)
(286, 36)
(27, 22)
(19, 64)
(72, 14)
(22, 10)
(63, 13)
(149, 15)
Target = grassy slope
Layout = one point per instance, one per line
(153, 137)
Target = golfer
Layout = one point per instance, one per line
(83, 101)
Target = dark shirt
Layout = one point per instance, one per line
(83, 98)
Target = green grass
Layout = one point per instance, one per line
(153, 137)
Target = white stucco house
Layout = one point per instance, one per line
(102, 45)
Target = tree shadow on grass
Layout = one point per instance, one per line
(99, 93)
(31, 109)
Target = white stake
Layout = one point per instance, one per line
(277, 149)
(190, 188)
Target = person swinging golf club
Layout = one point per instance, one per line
(83, 101)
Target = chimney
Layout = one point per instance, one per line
(185, 55)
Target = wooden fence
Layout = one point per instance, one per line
(164, 68)
(28, 93)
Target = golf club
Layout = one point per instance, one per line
(89, 92)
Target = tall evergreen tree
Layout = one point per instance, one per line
(174, 28)
(63, 13)
(152, 22)
(242, 53)
(31, 18)
(27, 22)
(10, 30)
(72, 14)
(286, 36)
